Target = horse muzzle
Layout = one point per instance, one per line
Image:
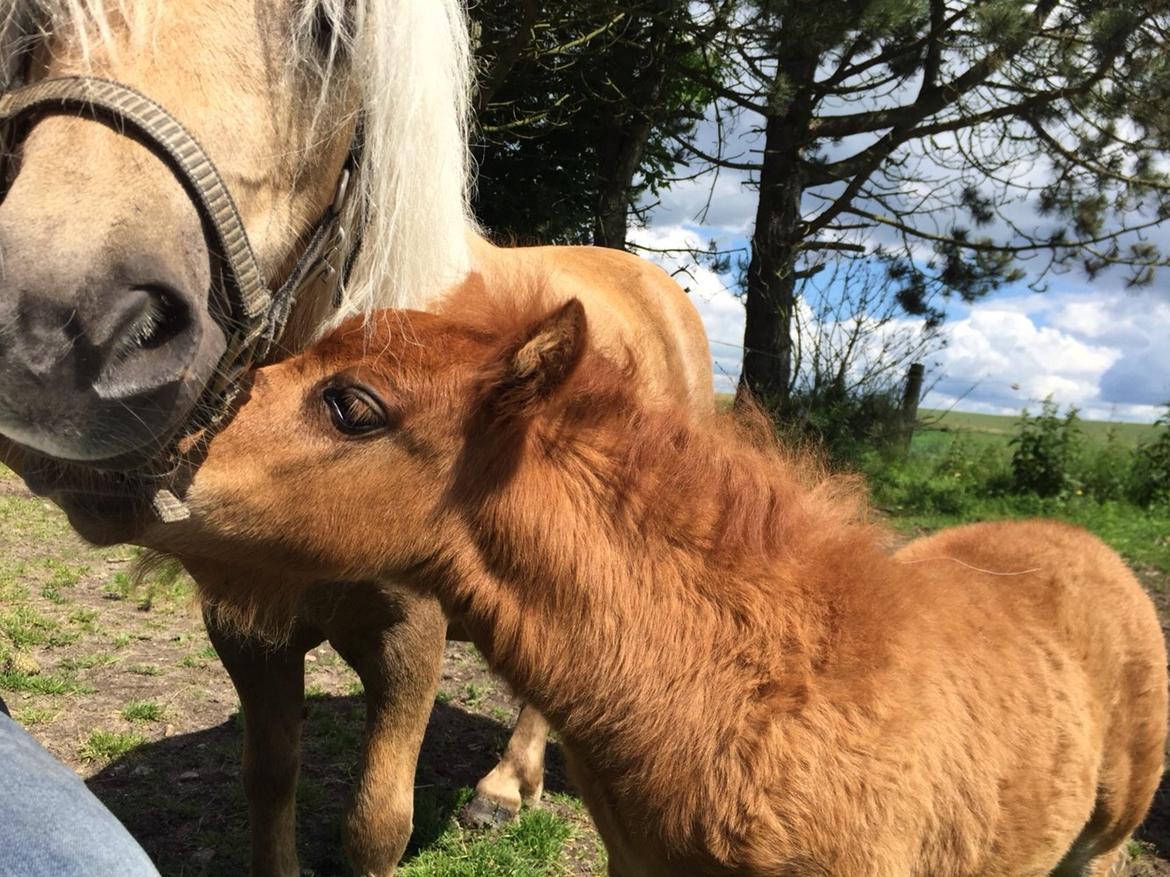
(118, 336)
(98, 365)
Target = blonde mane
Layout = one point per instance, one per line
(410, 61)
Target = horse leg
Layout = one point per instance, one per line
(271, 686)
(395, 643)
(518, 778)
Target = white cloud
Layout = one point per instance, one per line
(1107, 352)
(725, 205)
(1099, 351)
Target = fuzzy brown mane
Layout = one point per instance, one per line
(725, 482)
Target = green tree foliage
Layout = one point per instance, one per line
(974, 138)
(580, 107)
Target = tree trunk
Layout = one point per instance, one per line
(771, 279)
(619, 154)
(778, 237)
(618, 157)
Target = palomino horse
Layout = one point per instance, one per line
(745, 681)
(167, 158)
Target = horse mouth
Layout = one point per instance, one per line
(55, 479)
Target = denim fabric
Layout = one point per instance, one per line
(51, 825)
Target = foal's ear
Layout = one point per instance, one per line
(540, 361)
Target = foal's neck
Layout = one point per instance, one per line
(641, 610)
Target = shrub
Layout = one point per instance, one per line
(847, 426)
(1106, 470)
(1151, 467)
(1047, 449)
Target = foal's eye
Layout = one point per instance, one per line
(355, 410)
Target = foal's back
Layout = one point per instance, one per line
(1044, 623)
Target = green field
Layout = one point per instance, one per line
(934, 419)
(959, 470)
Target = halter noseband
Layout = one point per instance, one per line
(251, 315)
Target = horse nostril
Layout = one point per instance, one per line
(162, 317)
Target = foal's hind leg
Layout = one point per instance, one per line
(517, 779)
(1115, 863)
(395, 643)
(271, 686)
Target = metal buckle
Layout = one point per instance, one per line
(342, 191)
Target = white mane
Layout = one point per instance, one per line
(411, 62)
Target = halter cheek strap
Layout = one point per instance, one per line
(252, 315)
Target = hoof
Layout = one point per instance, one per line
(482, 812)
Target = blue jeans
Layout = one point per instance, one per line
(51, 825)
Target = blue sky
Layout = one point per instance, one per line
(1094, 344)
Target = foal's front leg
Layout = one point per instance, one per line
(271, 685)
(394, 640)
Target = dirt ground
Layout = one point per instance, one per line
(122, 685)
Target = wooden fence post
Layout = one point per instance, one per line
(911, 395)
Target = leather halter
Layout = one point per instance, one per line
(250, 313)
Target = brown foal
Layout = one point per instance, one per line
(745, 680)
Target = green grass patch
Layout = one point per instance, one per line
(119, 587)
(315, 691)
(23, 626)
(142, 711)
(32, 519)
(87, 662)
(54, 594)
(473, 694)
(529, 847)
(108, 745)
(40, 683)
(63, 575)
(1058, 468)
(31, 715)
(145, 669)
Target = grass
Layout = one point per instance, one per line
(29, 716)
(107, 745)
(23, 626)
(88, 662)
(40, 683)
(1130, 434)
(473, 694)
(142, 711)
(963, 475)
(530, 847)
